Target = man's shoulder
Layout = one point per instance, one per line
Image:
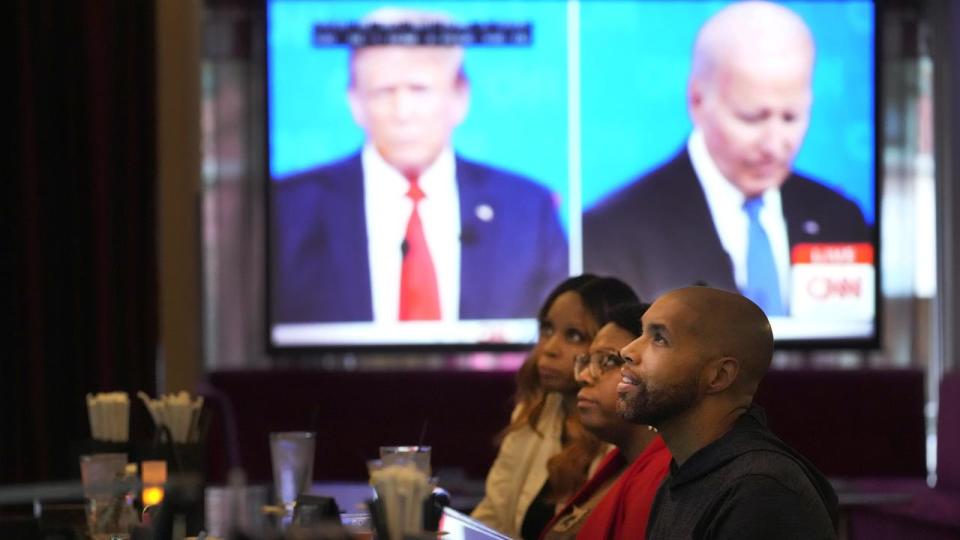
(771, 506)
(760, 460)
(771, 480)
(516, 197)
(764, 461)
(497, 180)
(655, 190)
(808, 189)
(327, 176)
(808, 201)
(750, 447)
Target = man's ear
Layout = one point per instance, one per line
(721, 374)
(695, 97)
(356, 107)
(462, 101)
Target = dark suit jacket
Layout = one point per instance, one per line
(657, 233)
(508, 264)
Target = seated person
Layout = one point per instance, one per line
(615, 502)
(692, 374)
(545, 454)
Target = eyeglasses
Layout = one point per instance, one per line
(598, 363)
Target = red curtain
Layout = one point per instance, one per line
(81, 261)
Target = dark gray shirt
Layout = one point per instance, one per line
(747, 484)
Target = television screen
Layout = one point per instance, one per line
(436, 168)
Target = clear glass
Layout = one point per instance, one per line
(108, 501)
(99, 472)
(291, 453)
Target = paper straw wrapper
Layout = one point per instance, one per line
(109, 416)
(178, 412)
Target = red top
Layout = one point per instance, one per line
(623, 511)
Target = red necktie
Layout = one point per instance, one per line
(419, 298)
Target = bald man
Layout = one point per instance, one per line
(693, 374)
(406, 229)
(727, 209)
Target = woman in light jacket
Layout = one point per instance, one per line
(545, 453)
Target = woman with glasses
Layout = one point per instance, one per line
(615, 502)
(545, 453)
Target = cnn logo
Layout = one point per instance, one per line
(828, 288)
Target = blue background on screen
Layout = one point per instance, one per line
(518, 110)
(635, 62)
(635, 58)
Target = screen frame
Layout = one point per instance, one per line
(867, 343)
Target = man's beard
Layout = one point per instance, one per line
(643, 406)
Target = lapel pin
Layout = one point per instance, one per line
(484, 212)
(811, 227)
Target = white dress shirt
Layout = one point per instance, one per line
(732, 224)
(388, 210)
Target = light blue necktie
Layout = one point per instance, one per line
(763, 285)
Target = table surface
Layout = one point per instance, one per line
(865, 498)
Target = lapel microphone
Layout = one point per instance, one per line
(468, 236)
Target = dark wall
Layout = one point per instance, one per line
(849, 423)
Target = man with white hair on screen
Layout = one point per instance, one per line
(406, 229)
(728, 209)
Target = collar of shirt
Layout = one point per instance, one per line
(388, 210)
(726, 208)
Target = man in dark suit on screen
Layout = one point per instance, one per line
(406, 229)
(727, 209)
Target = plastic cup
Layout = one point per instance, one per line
(291, 453)
(99, 473)
(108, 505)
(400, 455)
